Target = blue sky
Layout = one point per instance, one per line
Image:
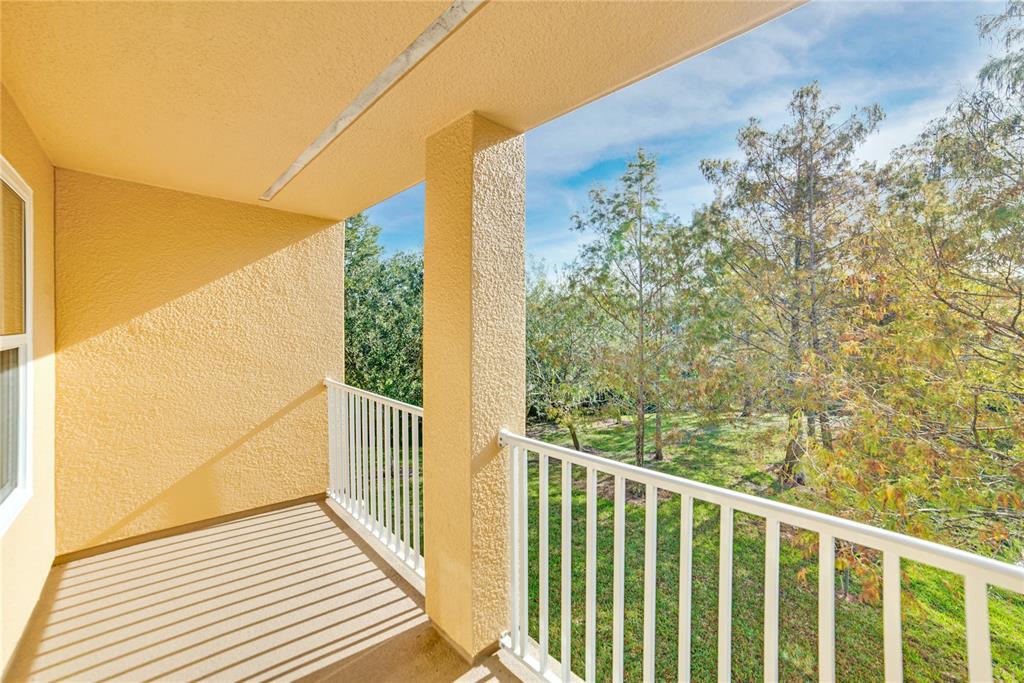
(909, 57)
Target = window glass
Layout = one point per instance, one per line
(9, 420)
(13, 280)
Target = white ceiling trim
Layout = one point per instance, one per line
(432, 36)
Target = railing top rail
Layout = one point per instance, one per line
(993, 571)
(408, 407)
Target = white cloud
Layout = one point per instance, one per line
(902, 55)
(707, 90)
(555, 249)
(753, 74)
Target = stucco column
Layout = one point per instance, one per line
(474, 372)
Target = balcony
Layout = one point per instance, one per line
(375, 464)
(185, 496)
(286, 594)
(333, 589)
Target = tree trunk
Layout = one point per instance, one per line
(659, 452)
(826, 430)
(813, 320)
(748, 405)
(794, 449)
(794, 452)
(641, 398)
(640, 429)
(574, 435)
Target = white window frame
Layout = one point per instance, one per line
(17, 499)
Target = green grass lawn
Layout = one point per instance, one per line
(738, 455)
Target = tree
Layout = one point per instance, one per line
(383, 315)
(562, 338)
(628, 273)
(1007, 28)
(791, 208)
(933, 370)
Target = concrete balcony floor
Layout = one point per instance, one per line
(290, 594)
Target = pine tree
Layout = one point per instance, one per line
(790, 208)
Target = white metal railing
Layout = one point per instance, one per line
(374, 472)
(978, 572)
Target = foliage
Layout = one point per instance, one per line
(791, 208)
(932, 369)
(874, 314)
(383, 315)
(562, 339)
(1007, 28)
(641, 274)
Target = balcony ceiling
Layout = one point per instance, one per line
(219, 98)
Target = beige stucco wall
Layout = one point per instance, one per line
(27, 547)
(193, 335)
(474, 371)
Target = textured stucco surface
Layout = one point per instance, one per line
(27, 547)
(216, 98)
(193, 335)
(219, 98)
(474, 370)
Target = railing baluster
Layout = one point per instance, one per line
(371, 451)
(650, 578)
(340, 416)
(353, 454)
(396, 485)
(396, 460)
(382, 499)
(392, 477)
(343, 445)
(353, 495)
(725, 596)
(368, 460)
(349, 432)
(513, 544)
(370, 438)
(591, 581)
(371, 465)
(566, 569)
(771, 599)
(397, 503)
(364, 418)
(340, 445)
(827, 609)
(333, 436)
(371, 418)
(364, 459)
(979, 646)
(385, 476)
(417, 556)
(893, 618)
(618, 570)
(385, 479)
(543, 560)
(524, 545)
(685, 583)
(378, 501)
(404, 436)
(379, 474)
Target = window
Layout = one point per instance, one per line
(15, 342)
